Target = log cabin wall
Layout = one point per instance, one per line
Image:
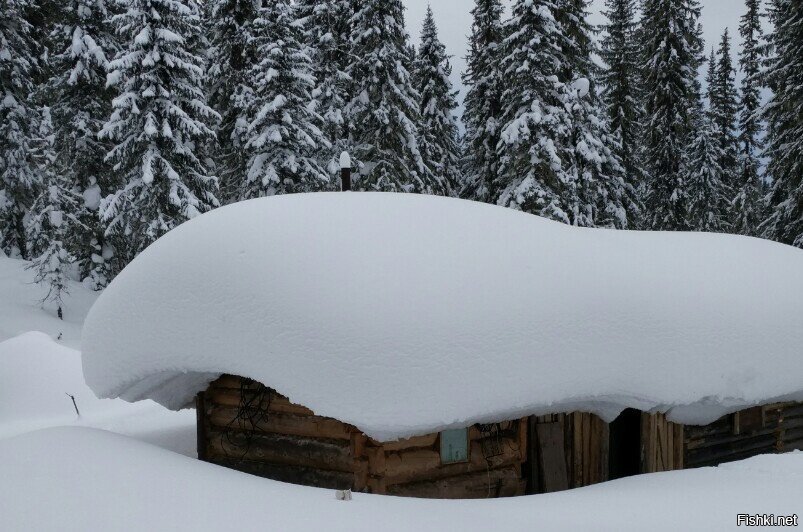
(775, 428)
(245, 426)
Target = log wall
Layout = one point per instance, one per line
(244, 426)
(775, 428)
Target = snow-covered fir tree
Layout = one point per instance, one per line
(724, 104)
(535, 117)
(80, 105)
(705, 187)
(556, 152)
(483, 102)
(784, 125)
(53, 224)
(384, 108)
(438, 100)
(597, 193)
(327, 32)
(231, 93)
(160, 125)
(671, 55)
(621, 86)
(284, 133)
(748, 206)
(19, 180)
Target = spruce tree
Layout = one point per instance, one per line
(160, 125)
(384, 108)
(705, 189)
(438, 100)
(19, 180)
(748, 204)
(53, 223)
(232, 55)
(671, 55)
(81, 103)
(620, 86)
(598, 194)
(785, 128)
(724, 103)
(483, 102)
(534, 117)
(327, 33)
(284, 133)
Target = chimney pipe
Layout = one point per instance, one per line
(345, 172)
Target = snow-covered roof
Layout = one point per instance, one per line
(405, 314)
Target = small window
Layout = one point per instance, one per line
(454, 446)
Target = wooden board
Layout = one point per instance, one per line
(551, 456)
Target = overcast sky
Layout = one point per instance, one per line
(454, 22)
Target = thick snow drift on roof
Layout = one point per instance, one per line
(405, 314)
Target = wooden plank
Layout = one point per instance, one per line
(552, 459)
(534, 479)
(679, 444)
(577, 450)
(605, 451)
(200, 421)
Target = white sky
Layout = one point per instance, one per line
(454, 22)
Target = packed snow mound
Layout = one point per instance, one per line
(80, 479)
(22, 310)
(40, 378)
(405, 314)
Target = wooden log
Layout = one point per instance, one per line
(427, 440)
(330, 455)
(479, 485)
(233, 398)
(745, 447)
(223, 418)
(293, 474)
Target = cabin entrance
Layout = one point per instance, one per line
(625, 445)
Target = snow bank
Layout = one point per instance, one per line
(87, 480)
(38, 379)
(405, 314)
(21, 308)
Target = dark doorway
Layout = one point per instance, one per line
(625, 445)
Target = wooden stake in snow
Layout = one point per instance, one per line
(345, 171)
(74, 404)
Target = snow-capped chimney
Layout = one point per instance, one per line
(345, 171)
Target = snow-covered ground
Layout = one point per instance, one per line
(87, 480)
(133, 475)
(40, 371)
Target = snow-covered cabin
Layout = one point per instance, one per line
(434, 347)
